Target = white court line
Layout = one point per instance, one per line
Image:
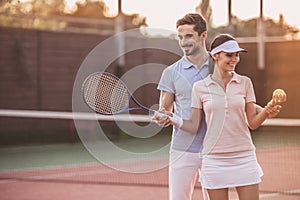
(275, 194)
(296, 191)
(263, 196)
(59, 175)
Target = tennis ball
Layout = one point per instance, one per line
(279, 96)
(278, 92)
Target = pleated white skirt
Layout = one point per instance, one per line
(227, 170)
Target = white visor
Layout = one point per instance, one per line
(230, 46)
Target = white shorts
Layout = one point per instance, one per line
(227, 170)
(183, 172)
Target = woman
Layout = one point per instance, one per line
(228, 101)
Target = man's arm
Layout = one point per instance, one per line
(166, 104)
(166, 101)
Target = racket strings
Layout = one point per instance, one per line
(106, 94)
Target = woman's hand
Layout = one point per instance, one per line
(161, 118)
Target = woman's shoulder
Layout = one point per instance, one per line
(243, 78)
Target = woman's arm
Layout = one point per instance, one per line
(193, 124)
(273, 113)
(254, 118)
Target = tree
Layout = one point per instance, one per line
(48, 14)
(31, 14)
(205, 10)
(91, 9)
(247, 28)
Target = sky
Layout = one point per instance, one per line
(163, 14)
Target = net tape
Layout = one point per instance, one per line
(118, 117)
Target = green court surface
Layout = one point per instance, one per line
(276, 137)
(68, 170)
(36, 156)
(68, 154)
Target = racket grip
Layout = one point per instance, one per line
(159, 115)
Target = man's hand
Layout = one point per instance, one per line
(161, 118)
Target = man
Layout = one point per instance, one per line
(176, 87)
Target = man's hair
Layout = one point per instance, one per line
(220, 39)
(193, 19)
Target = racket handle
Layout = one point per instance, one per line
(159, 115)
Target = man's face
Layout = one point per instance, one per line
(189, 40)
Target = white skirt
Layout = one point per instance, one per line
(227, 170)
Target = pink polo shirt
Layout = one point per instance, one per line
(227, 129)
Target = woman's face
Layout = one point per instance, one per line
(227, 61)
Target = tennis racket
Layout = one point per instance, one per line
(106, 94)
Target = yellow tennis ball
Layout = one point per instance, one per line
(278, 92)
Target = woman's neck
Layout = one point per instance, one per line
(222, 77)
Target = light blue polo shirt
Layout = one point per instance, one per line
(178, 79)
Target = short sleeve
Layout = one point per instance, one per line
(250, 94)
(166, 82)
(196, 100)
